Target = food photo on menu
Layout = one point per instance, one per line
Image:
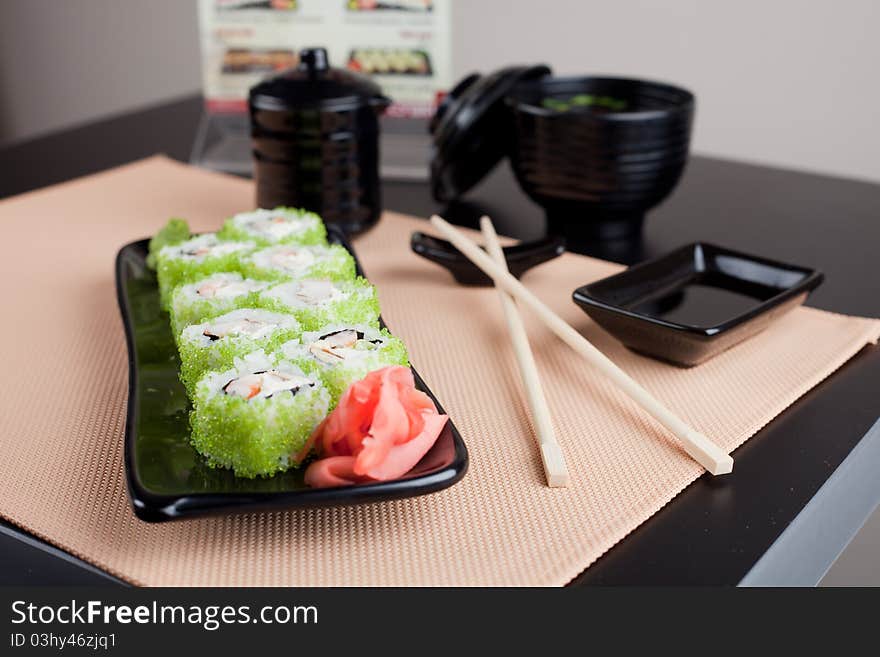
(378, 61)
(283, 5)
(325, 305)
(394, 5)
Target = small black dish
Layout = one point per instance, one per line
(695, 302)
(520, 257)
(168, 480)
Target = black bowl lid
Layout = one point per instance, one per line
(471, 129)
(315, 84)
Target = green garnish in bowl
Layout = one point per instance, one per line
(584, 100)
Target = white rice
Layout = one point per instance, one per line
(251, 322)
(276, 225)
(203, 246)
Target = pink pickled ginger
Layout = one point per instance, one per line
(380, 429)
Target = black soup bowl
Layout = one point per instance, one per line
(598, 152)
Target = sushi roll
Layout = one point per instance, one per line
(211, 296)
(290, 261)
(343, 354)
(197, 257)
(215, 343)
(175, 231)
(254, 416)
(319, 302)
(279, 226)
(397, 61)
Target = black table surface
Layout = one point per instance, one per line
(714, 531)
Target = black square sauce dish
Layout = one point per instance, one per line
(695, 302)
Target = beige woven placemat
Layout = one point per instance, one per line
(63, 407)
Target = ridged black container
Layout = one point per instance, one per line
(315, 136)
(598, 171)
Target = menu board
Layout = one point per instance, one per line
(403, 44)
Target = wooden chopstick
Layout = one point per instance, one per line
(700, 448)
(551, 453)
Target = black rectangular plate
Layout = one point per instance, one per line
(168, 480)
(695, 302)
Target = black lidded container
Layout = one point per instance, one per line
(315, 137)
(596, 169)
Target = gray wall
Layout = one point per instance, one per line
(68, 62)
(786, 82)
